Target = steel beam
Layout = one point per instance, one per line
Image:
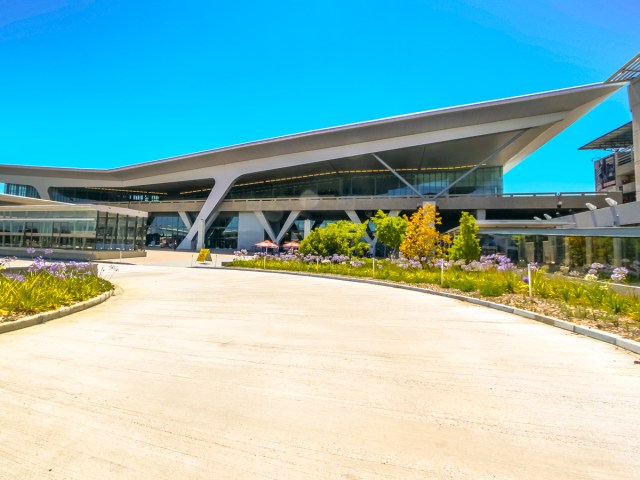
(482, 162)
(402, 179)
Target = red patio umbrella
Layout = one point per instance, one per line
(291, 245)
(266, 244)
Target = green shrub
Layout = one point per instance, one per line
(341, 238)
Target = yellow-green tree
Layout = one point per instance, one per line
(422, 239)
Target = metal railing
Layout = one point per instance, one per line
(558, 195)
(624, 157)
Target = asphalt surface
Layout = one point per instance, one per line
(208, 373)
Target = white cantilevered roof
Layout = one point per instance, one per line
(454, 133)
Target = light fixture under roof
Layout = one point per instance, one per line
(591, 206)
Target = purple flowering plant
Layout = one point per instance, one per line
(43, 286)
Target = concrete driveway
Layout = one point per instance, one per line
(212, 374)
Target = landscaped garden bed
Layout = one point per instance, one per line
(44, 286)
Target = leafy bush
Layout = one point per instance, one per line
(341, 238)
(389, 230)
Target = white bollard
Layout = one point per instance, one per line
(530, 280)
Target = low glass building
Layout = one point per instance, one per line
(79, 230)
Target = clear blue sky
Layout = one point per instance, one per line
(107, 83)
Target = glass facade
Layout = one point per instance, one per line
(223, 232)
(102, 195)
(345, 177)
(82, 229)
(573, 251)
(165, 229)
(484, 181)
(21, 190)
(185, 190)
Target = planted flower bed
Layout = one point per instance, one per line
(45, 286)
(568, 295)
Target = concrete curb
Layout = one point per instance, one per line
(52, 315)
(607, 337)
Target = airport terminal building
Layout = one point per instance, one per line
(281, 188)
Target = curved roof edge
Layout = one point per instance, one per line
(584, 94)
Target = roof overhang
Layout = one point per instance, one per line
(619, 138)
(7, 200)
(456, 133)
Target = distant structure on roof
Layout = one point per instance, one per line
(617, 171)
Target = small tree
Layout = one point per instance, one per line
(466, 245)
(341, 238)
(421, 237)
(390, 230)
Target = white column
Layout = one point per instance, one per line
(307, 228)
(201, 232)
(218, 192)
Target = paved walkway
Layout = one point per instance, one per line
(200, 374)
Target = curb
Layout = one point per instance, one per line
(52, 315)
(593, 333)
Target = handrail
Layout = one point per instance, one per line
(558, 195)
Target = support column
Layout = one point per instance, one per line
(185, 219)
(201, 232)
(250, 230)
(43, 191)
(306, 228)
(588, 250)
(287, 225)
(617, 251)
(218, 192)
(353, 216)
(266, 225)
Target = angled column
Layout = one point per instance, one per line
(266, 225)
(400, 177)
(353, 216)
(222, 185)
(481, 163)
(277, 237)
(287, 225)
(374, 242)
(185, 219)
